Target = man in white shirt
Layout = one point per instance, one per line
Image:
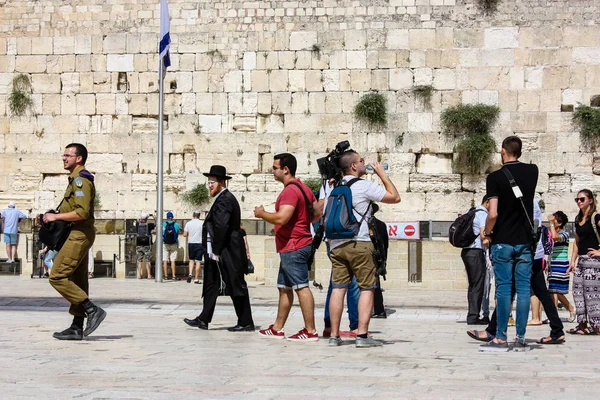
(473, 257)
(354, 257)
(193, 231)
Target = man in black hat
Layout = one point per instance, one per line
(225, 259)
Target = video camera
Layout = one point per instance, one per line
(329, 166)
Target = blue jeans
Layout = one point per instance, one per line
(509, 261)
(351, 300)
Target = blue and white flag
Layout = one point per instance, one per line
(165, 38)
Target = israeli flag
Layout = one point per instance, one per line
(165, 38)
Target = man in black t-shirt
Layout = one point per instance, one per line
(508, 226)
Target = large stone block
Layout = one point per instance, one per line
(401, 78)
(356, 59)
(303, 40)
(31, 64)
(434, 164)
(586, 55)
(25, 181)
(116, 43)
(46, 83)
(119, 62)
(435, 183)
(422, 39)
(397, 39)
(501, 38)
(355, 39)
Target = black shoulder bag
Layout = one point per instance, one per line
(54, 234)
(533, 231)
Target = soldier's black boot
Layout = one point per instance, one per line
(74, 332)
(95, 316)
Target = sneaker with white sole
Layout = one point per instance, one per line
(520, 345)
(367, 342)
(272, 333)
(304, 336)
(335, 341)
(494, 346)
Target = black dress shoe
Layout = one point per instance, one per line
(71, 333)
(240, 328)
(478, 321)
(379, 315)
(196, 323)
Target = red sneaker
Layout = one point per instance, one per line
(326, 333)
(304, 336)
(347, 334)
(271, 333)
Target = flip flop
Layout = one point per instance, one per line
(551, 341)
(475, 335)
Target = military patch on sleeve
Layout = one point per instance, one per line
(79, 193)
(78, 182)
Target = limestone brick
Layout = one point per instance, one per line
(356, 59)
(314, 81)
(7, 64)
(249, 62)
(108, 163)
(31, 64)
(64, 45)
(444, 79)
(501, 38)
(360, 80)
(434, 164)
(119, 62)
(2, 46)
(41, 45)
(422, 38)
(397, 39)
(45, 83)
(316, 103)
(278, 81)
(497, 57)
(303, 40)
(400, 78)
(299, 103)
(435, 183)
(209, 123)
(423, 76)
(116, 44)
(105, 103)
(586, 55)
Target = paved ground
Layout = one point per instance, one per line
(143, 350)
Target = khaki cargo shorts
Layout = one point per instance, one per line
(353, 259)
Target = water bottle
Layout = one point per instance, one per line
(370, 168)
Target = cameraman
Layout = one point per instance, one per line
(354, 257)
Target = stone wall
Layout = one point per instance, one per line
(251, 79)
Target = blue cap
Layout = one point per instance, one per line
(169, 214)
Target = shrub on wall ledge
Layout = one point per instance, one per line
(19, 101)
(314, 184)
(196, 197)
(587, 119)
(473, 124)
(371, 109)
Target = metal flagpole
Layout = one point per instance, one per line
(159, 172)
(164, 62)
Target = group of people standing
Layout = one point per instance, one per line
(518, 258)
(296, 209)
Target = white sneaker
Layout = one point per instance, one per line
(9, 261)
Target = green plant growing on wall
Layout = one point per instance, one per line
(473, 124)
(371, 109)
(488, 6)
(196, 197)
(97, 202)
(424, 92)
(314, 184)
(587, 119)
(19, 101)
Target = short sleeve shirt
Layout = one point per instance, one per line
(478, 223)
(11, 217)
(296, 233)
(512, 227)
(194, 230)
(363, 193)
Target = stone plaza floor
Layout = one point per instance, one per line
(143, 350)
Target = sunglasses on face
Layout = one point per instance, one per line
(580, 199)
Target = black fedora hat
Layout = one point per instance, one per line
(219, 171)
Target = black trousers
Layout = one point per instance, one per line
(540, 290)
(474, 260)
(211, 293)
(378, 307)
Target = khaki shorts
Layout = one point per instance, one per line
(170, 252)
(353, 259)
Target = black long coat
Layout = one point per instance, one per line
(223, 225)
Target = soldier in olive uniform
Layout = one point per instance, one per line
(69, 275)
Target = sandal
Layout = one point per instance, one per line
(582, 331)
(550, 340)
(475, 335)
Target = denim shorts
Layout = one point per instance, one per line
(293, 269)
(10, 238)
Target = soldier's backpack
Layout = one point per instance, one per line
(170, 234)
(461, 232)
(143, 234)
(340, 222)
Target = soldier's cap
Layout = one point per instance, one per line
(169, 214)
(11, 204)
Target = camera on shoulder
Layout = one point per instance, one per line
(329, 166)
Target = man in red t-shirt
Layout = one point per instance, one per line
(295, 209)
